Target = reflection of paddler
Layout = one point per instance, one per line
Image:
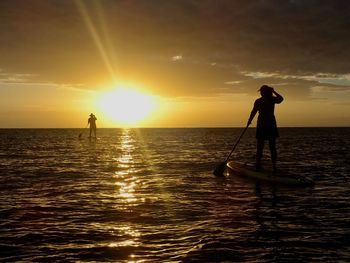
(92, 121)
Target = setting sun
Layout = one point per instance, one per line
(126, 106)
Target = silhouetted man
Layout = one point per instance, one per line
(266, 126)
(92, 121)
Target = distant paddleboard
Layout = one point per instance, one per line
(270, 176)
(93, 138)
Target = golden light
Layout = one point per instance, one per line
(126, 106)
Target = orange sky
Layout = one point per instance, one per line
(201, 61)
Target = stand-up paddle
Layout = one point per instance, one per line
(219, 170)
(81, 134)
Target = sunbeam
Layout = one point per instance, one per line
(97, 37)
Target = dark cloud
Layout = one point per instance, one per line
(217, 40)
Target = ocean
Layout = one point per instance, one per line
(149, 195)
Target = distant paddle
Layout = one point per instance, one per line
(81, 134)
(219, 170)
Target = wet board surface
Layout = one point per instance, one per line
(282, 177)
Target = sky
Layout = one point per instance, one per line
(201, 61)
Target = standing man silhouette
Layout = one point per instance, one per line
(266, 126)
(92, 121)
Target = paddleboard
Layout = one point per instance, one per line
(249, 171)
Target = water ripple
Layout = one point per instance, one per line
(149, 196)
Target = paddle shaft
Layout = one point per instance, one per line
(81, 134)
(234, 147)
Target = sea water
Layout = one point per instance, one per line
(149, 195)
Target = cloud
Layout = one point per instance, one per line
(14, 78)
(177, 57)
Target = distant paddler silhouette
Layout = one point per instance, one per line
(92, 121)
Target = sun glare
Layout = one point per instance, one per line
(125, 106)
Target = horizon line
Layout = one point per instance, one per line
(180, 127)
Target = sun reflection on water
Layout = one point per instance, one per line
(130, 239)
(126, 181)
(126, 184)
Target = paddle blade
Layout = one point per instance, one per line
(220, 169)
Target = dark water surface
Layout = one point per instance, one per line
(148, 195)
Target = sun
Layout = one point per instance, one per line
(125, 106)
